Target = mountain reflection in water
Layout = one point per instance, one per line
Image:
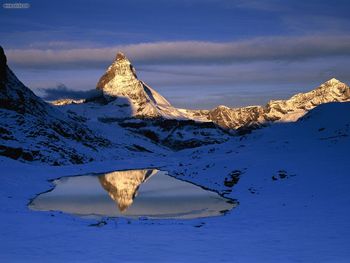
(122, 186)
(137, 193)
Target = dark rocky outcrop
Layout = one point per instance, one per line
(32, 130)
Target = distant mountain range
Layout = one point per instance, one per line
(276, 110)
(127, 117)
(120, 82)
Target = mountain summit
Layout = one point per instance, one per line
(120, 79)
(120, 82)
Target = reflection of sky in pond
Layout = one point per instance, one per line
(135, 193)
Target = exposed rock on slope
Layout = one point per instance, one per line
(31, 129)
(178, 134)
(330, 91)
(236, 118)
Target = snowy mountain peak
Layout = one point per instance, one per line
(120, 56)
(332, 81)
(331, 84)
(332, 90)
(223, 107)
(120, 78)
(120, 82)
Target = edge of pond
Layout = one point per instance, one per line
(232, 201)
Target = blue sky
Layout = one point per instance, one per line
(197, 53)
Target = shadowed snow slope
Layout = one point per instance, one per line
(293, 193)
(31, 129)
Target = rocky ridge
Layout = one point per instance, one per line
(31, 129)
(276, 110)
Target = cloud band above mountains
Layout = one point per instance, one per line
(186, 52)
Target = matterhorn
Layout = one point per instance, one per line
(120, 82)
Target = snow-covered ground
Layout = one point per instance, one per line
(293, 193)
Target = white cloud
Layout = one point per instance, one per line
(187, 52)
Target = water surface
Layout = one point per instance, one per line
(135, 193)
